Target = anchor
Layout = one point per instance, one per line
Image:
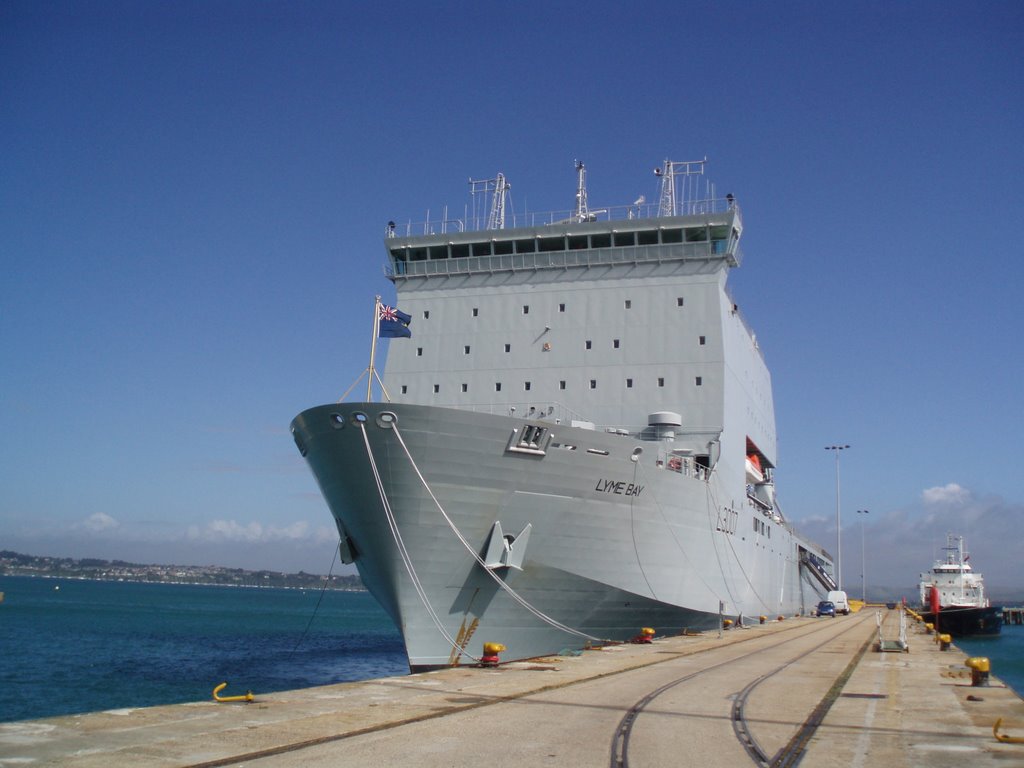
(247, 697)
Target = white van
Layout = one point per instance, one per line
(838, 598)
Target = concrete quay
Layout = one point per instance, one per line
(801, 690)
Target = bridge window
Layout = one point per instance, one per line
(438, 252)
(481, 249)
(696, 234)
(502, 247)
(577, 242)
(624, 238)
(552, 244)
(670, 236)
(526, 246)
(460, 250)
(647, 237)
(603, 240)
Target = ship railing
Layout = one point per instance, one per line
(563, 259)
(470, 223)
(685, 466)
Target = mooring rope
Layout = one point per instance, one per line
(679, 545)
(736, 558)
(469, 548)
(316, 608)
(404, 553)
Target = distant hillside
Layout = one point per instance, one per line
(17, 564)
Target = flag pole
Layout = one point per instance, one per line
(373, 349)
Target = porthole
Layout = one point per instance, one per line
(337, 420)
(358, 417)
(386, 419)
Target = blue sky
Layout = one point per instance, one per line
(193, 197)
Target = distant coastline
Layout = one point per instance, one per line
(18, 564)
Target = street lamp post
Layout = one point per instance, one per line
(839, 524)
(863, 570)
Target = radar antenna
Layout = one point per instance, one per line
(497, 188)
(670, 204)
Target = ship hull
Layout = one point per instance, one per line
(967, 622)
(600, 540)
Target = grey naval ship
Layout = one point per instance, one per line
(575, 438)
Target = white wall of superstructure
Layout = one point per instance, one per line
(611, 348)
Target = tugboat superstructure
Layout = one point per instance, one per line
(953, 595)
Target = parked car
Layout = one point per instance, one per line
(826, 608)
(838, 599)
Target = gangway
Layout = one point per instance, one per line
(816, 569)
(893, 645)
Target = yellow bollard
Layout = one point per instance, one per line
(490, 657)
(980, 668)
(944, 642)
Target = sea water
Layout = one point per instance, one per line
(69, 646)
(1005, 651)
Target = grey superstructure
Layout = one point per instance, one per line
(580, 436)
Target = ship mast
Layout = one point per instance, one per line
(669, 204)
(497, 188)
(581, 213)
